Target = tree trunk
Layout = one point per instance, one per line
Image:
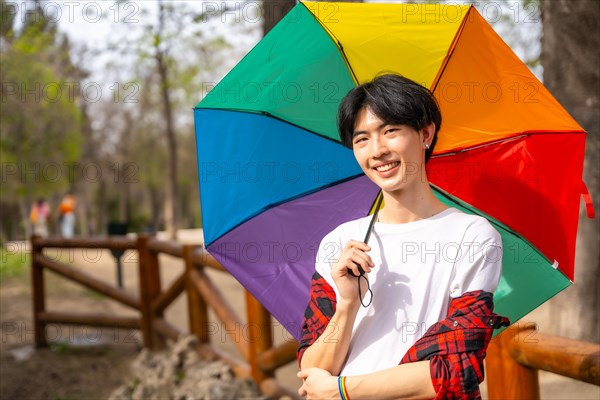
(102, 207)
(274, 11)
(154, 207)
(172, 195)
(570, 59)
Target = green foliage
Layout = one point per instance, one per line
(13, 264)
(179, 376)
(138, 222)
(136, 382)
(63, 348)
(47, 127)
(94, 294)
(190, 57)
(40, 119)
(7, 18)
(531, 3)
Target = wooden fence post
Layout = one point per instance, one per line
(39, 293)
(260, 335)
(149, 276)
(197, 308)
(506, 378)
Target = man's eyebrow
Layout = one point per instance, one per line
(356, 133)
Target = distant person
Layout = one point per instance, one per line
(39, 217)
(66, 210)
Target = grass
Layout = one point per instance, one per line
(13, 264)
(63, 347)
(93, 294)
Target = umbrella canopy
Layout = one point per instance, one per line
(275, 179)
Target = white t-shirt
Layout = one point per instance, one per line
(419, 267)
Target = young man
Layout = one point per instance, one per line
(432, 268)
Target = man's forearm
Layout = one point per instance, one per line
(330, 350)
(406, 381)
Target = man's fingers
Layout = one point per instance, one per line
(301, 391)
(362, 258)
(356, 270)
(304, 373)
(357, 245)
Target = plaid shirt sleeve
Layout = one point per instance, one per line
(319, 312)
(456, 346)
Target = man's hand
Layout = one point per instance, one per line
(353, 253)
(318, 384)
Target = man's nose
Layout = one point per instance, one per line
(379, 147)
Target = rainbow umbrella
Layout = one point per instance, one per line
(274, 178)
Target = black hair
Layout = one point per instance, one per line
(396, 100)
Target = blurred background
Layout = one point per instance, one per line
(97, 100)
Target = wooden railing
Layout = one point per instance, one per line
(261, 357)
(42, 317)
(515, 356)
(513, 360)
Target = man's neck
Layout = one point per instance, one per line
(410, 205)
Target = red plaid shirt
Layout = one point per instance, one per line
(455, 346)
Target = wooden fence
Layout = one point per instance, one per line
(261, 357)
(512, 362)
(515, 356)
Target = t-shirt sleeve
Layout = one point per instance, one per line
(329, 251)
(323, 295)
(478, 264)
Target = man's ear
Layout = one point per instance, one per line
(428, 131)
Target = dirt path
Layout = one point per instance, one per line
(88, 363)
(80, 363)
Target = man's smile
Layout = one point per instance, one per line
(387, 166)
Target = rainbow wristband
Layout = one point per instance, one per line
(342, 388)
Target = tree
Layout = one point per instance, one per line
(274, 11)
(570, 59)
(174, 52)
(161, 49)
(40, 120)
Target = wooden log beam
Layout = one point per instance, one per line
(165, 299)
(172, 248)
(89, 281)
(259, 326)
(38, 292)
(506, 378)
(150, 289)
(101, 242)
(203, 258)
(277, 356)
(165, 329)
(197, 307)
(222, 309)
(90, 319)
(567, 357)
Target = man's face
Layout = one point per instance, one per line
(392, 156)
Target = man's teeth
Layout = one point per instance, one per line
(387, 167)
